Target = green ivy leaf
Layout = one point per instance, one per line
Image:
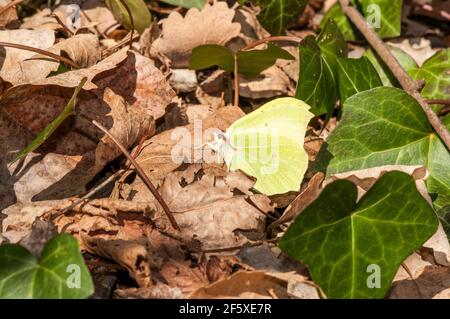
(250, 63)
(276, 15)
(436, 72)
(356, 75)
(317, 84)
(24, 276)
(383, 70)
(444, 217)
(199, 4)
(339, 239)
(348, 30)
(389, 14)
(386, 126)
(141, 14)
(51, 128)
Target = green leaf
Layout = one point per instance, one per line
(318, 78)
(208, 55)
(51, 128)
(340, 240)
(199, 4)
(251, 63)
(356, 75)
(53, 275)
(384, 15)
(386, 126)
(383, 70)
(348, 30)
(276, 15)
(389, 14)
(139, 11)
(317, 85)
(332, 44)
(436, 72)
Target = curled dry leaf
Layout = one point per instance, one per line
(133, 256)
(83, 50)
(9, 57)
(212, 25)
(158, 291)
(9, 18)
(259, 285)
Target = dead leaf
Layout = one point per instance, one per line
(212, 25)
(420, 52)
(256, 285)
(73, 154)
(133, 256)
(8, 19)
(41, 39)
(158, 291)
(270, 83)
(83, 50)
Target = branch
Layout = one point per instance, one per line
(142, 175)
(408, 84)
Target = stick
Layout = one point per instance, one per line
(43, 52)
(131, 21)
(142, 175)
(271, 39)
(236, 81)
(408, 84)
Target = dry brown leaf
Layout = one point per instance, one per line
(131, 255)
(258, 285)
(270, 83)
(75, 153)
(212, 25)
(303, 200)
(41, 20)
(41, 39)
(83, 50)
(156, 155)
(206, 207)
(8, 19)
(158, 291)
(420, 52)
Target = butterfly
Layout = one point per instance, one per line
(268, 145)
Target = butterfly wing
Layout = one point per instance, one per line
(268, 144)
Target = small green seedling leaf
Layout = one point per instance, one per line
(386, 126)
(51, 128)
(139, 11)
(356, 75)
(318, 78)
(208, 55)
(60, 271)
(276, 15)
(250, 63)
(199, 4)
(353, 249)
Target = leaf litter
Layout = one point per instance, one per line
(145, 96)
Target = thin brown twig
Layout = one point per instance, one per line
(10, 5)
(58, 19)
(271, 39)
(141, 174)
(43, 52)
(438, 101)
(236, 81)
(131, 21)
(408, 84)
